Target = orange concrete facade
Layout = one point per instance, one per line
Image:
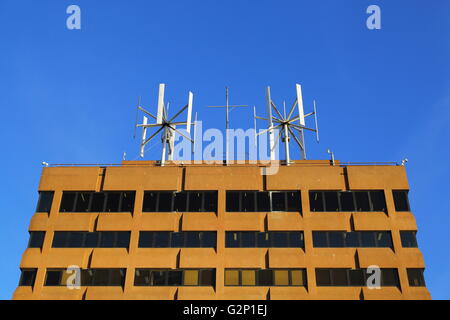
(145, 175)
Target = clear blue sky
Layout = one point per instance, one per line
(69, 96)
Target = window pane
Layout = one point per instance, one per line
(263, 201)
(293, 201)
(408, 239)
(107, 239)
(180, 202)
(279, 239)
(362, 201)
(207, 278)
(248, 239)
(316, 201)
(127, 202)
(320, 239)
(190, 278)
(87, 277)
(67, 202)
(416, 278)
(384, 239)
(53, 278)
(356, 277)
(98, 202)
(112, 202)
(232, 201)
(165, 202)
(231, 239)
(265, 277)
(177, 240)
(60, 239)
(347, 203)
(208, 239)
(192, 239)
(352, 239)
(331, 201)
(248, 201)
(339, 277)
(210, 201)
(83, 199)
(248, 277)
(298, 277)
(195, 201)
(161, 239)
(45, 201)
(389, 277)
(323, 277)
(367, 239)
(36, 239)
(123, 239)
(278, 201)
(336, 239)
(158, 277)
(175, 278)
(100, 277)
(263, 240)
(142, 277)
(145, 239)
(149, 202)
(281, 277)
(231, 277)
(401, 200)
(296, 239)
(91, 240)
(378, 200)
(27, 277)
(75, 239)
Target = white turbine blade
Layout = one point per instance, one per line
(159, 116)
(269, 116)
(144, 133)
(315, 120)
(189, 112)
(301, 113)
(172, 143)
(254, 123)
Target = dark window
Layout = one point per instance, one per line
(181, 201)
(232, 239)
(107, 239)
(356, 277)
(145, 239)
(210, 201)
(263, 201)
(416, 278)
(263, 239)
(122, 240)
(105, 277)
(192, 240)
(264, 277)
(158, 277)
(150, 199)
(362, 201)
(389, 278)
(142, 277)
(383, 239)
(378, 200)
(339, 277)
(347, 201)
(352, 239)
(45, 201)
(179, 277)
(60, 239)
(248, 239)
(323, 277)
(316, 201)
(248, 201)
(175, 278)
(87, 277)
(408, 239)
(207, 277)
(161, 239)
(127, 202)
(112, 202)
(336, 239)
(27, 277)
(279, 239)
(53, 278)
(296, 239)
(82, 201)
(401, 200)
(368, 240)
(75, 240)
(98, 202)
(165, 202)
(331, 201)
(293, 201)
(177, 239)
(67, 202)
(36, 239)
(84, 239)
(195, 201)
(91, 239)
(278, 201)
(320, 239)
(208, 239)
(232, 201)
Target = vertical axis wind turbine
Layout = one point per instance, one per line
(166, 125)
(287, 126)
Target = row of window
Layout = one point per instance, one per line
(254, 201)
(337, 277)
(236, 201)
(233, 239)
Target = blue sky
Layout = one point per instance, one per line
(69, 96)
